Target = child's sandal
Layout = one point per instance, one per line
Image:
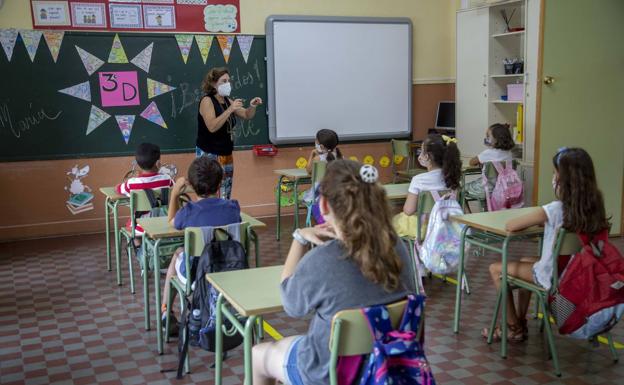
(515, 333)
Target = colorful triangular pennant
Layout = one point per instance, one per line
(244, 42)
(144, 58)
(8, 37)
(184, 42)
(226, 42)
(152, 114)
(90, 62)
(117, 54)
(54, 39)
(31, 41)
(204, 42)
(80, 91)
(96, 118)
(155, 88)
(125, 123)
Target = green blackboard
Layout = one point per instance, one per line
(39, 122)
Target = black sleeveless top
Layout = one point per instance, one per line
(218, 142)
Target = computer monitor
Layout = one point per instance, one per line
(445, 116)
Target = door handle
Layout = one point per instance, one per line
(548, 80)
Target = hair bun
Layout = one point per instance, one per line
(369, 173)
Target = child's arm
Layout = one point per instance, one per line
(315, 235)
(174, 199)
(534, 218)
(411, 204)
(311, 158)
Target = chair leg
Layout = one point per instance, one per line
(465, 285)
(550, 337)
(129, 247)
(614, 353)
(499, 296)
(168, 313)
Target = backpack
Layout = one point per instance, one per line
(218, 255)
(398, 356)
(589, 299)
(160, 205)
(439, 252)
(507, 192)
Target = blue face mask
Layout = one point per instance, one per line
(487, 141)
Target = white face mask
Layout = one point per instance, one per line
(424, 160)
(555, 183)
(318, 148)
(224, 89)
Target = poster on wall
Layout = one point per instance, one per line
(46, 13)
(216, 16)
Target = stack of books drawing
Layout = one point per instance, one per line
(79, 203)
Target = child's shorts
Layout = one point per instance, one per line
(180, 268)
(291, 373)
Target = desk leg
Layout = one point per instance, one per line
(279, 205)
(296, 192)
(117, 241)
(107, 220)
(248, 342)
(156, 264)
(219, 340)
(145, 283)
(504, 290)
(460, 278)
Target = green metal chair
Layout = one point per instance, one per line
(139, 202)
(350, 334)
(318, 172)
(565, 244)
(491, 174)
(402, 148)
(194, 246)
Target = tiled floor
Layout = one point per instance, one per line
(63, 320)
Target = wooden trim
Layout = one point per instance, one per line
(538, 101)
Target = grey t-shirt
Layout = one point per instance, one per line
(326, 282)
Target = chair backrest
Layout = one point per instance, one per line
(350, 332)
(490, 171)
(566, 243)
(140, 202)
(318, 171)
(425, 205)
(400, 148)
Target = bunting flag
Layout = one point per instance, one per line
(204, 42)
(8, 37)
(155, 88)
(225, 42)
(96, 118)
(144, 58)
(125, 123)
(54, 39)
(31, 41)
(244, 42)
(184, 42)
(90, 62)
(80, 91)
(152, 114)
(117, 54)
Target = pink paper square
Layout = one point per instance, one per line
(119, 88)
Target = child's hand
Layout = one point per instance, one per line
(179, 185)
(318, 234)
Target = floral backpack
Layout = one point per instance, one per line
(398, 356)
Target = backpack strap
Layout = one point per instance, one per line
(509, 164)
(435, 195)
(412, 315)
(164, 196)
(498, 166)
(151, 197)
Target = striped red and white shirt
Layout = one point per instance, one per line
(144, 181)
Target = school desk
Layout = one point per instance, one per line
(157, 229)
(487, 230)
(251, 301)
(295, 176)
(396, 191)
(113, 201)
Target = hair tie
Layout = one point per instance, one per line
(369, 173)
(560, 152)
(448, 139)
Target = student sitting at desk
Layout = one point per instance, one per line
(359, 261)
(205, 176)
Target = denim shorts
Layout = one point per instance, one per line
(291, 373)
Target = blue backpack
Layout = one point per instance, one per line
(398, 356)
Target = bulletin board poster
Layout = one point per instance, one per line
(208, 16)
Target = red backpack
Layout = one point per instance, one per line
(589, 299)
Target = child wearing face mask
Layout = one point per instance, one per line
(579, 208)
(499, 144)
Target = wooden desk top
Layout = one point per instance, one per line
(111, 194)
(293, 173)
(159, 227)
(396, 190)
(495, 221)
(250, 291)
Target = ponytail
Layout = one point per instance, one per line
(446, 156)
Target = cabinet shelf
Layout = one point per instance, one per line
(515, 33)
(505, 102)
(507, 76)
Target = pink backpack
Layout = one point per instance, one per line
(507, 192)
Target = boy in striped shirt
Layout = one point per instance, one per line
(148, 159)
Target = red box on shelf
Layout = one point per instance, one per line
(264, 150)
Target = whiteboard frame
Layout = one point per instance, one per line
(271, 110)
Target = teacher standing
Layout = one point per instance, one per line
(216, 120)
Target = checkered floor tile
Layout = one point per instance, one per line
(63, 320)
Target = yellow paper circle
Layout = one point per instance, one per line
(302, 162)
(398, 159)
(369, 160)
(354, 158)
(384, 161)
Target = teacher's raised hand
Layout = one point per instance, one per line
(255, 102)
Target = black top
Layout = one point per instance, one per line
(218, 142)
